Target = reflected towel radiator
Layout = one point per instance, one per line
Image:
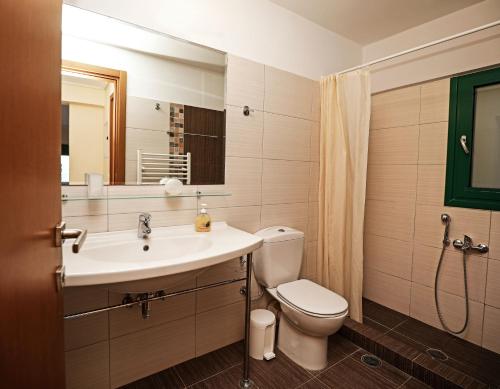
(152, 167)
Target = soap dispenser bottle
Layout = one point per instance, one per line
(202, 223)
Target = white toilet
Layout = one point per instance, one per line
(311, 312)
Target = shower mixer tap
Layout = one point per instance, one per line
(467, 245)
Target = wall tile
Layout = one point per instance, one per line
(431, 183)
(219, 327)
(88, 367)
(139, 205)
(82, 207)
(309, 264)
(281, 86)
(380, 287)
(312, 222)
(393, 146)
(390, 219)
(433, 143)
(429, 229)
(435, 99)
(495, 236)
(97, 223)
(143, 353)
(128, 221)
(285, 181)
(395, 108)
(491, 334)
(394, 182)
(244, 83)
(244, 218)
(316, 102)
(150, 141)
(286, 137)
(141, 113)
(314, 182)
(425, 261)
(244, 133)
(388, 255)
(243, 181)
(315, 139)
(493, 284)
(290, 215)
(423, 308)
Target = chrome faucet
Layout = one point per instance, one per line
(144, 227)
(468, 245)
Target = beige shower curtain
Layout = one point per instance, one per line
(345, 117)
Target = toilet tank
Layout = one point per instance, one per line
(280, 257)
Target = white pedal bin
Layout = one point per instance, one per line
(262, 332)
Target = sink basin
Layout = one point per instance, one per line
(121, 256)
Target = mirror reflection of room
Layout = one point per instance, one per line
(139, 106)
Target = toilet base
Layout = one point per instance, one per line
(307, 351)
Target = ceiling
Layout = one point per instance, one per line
(367, 21)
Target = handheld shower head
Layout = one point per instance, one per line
(446, 219)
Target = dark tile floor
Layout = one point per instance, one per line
(222, 369)
(404, 341)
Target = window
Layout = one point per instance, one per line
(473, 165)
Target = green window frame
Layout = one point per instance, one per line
(459, 191)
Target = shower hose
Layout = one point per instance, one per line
(436, 283)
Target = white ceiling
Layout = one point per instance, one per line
(367, 21)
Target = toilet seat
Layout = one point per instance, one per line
(311, 299)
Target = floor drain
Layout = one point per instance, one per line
(371, 360)
(437, 354)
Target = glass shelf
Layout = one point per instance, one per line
(145, 196)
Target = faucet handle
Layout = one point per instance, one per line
(145, 216)
(467, 244)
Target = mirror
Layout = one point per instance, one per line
(138, 105)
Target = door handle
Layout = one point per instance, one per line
(463, 143)
(75, 233)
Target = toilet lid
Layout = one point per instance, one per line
(312, 298)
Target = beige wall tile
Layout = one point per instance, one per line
(429, 229)
(388, 255)
(493, 284)
(98, 223)
(433, 143)
(309, 264)
(315, 135)
(149, 141)
(290, 215)
(495, 236)
(423, 308)
(84, 207)
(380, 287)
(391, 182)
(288, 94)
(143, 353)
(451, 279)
(314, 182)
(221, 296)
(141, 113)
(244, 83)
(139, 205)
(219, 327)
(243, 182)
(128, 221)
(316, 102)
(232, 269)
(431, 184)
(244, 133)
(285, 181)
(435, 100)
(390, 219)
(125, 321)
(312, 221)
(286, 137)
(395, 108)
(244, 218)
(491, 329)
(88, 367)
(394, 146)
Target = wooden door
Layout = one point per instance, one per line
(31, 324)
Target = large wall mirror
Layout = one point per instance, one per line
(139, 106)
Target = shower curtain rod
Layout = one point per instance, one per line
(424, 46)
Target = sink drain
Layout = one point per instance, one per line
(145, 247)
(437, 354)
(371, 360)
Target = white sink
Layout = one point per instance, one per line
(111, 257)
